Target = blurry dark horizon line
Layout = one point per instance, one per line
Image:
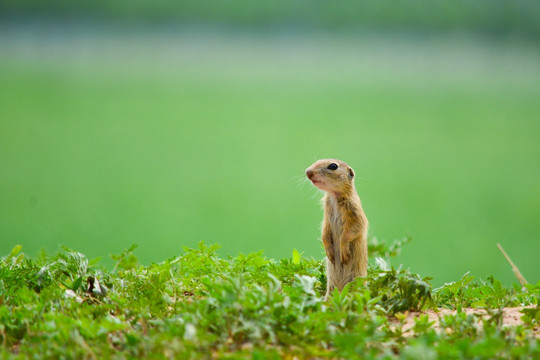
(86, 24)
(491, 19)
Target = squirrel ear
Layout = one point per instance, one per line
(351, 173)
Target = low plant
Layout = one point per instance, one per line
(201, 305)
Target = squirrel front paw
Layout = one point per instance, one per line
(345, 254)
(331, 255)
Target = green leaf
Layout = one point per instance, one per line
(15, 251)
(295, 256)
(76, 284)
(478, 304)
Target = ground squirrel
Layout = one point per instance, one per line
(344, 227)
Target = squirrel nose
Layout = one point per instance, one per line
(309, 173)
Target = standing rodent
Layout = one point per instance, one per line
(344, 227)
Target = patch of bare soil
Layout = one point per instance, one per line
(511, 317)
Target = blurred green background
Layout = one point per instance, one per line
(167, 123)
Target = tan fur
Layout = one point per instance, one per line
(344, 228)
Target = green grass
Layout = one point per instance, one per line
(201, 305)
(97, 156)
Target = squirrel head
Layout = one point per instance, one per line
(331, 175)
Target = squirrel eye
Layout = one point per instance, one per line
(332, 166)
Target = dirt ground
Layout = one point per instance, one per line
(511, 317)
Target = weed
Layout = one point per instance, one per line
(199, 305)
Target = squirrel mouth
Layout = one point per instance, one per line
(319, 184)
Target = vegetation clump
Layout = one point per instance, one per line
(200, 305)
